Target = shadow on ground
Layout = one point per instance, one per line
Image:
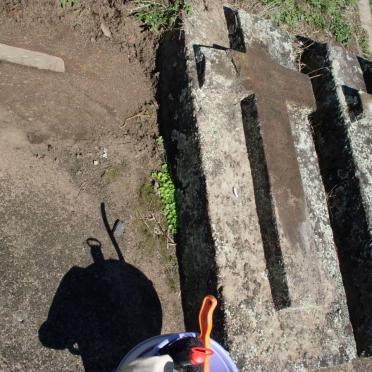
(100, 312)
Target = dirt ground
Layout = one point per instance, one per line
(69, 142)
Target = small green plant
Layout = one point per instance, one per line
(167, 193)
(157, 15)
(65, 3)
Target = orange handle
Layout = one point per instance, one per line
(206, 324)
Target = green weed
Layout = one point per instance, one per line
(319, 14)
(65, 3)
(167, 193)
(156, 15)
(341, 30)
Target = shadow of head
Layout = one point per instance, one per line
(100, 312)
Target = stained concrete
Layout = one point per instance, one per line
(234, 240)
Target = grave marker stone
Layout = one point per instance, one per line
(254, 227)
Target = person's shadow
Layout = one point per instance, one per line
(100, 312)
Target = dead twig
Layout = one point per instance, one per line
(164, 232)
(142, 218)
(139, 114)
(318, 69)
(313, 77)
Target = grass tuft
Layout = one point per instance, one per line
(157, 15)
(364, 44)
(111, 174)
(319, 14)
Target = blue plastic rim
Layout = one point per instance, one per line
(220, 361)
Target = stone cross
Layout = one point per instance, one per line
(289, 244)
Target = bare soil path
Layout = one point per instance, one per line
(67, 143)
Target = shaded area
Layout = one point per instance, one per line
(195, 246)
(100, 312)
(264, 203)
(353, 102)
(200, 64)
(236, 36)
(347, 214)
(366, 67)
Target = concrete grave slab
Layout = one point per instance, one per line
(254, 224)
(343, 135)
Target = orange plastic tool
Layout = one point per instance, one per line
(206, 325)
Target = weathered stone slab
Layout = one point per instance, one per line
(343, 134)
(254, 223)
(276, 43)
(31, 58)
